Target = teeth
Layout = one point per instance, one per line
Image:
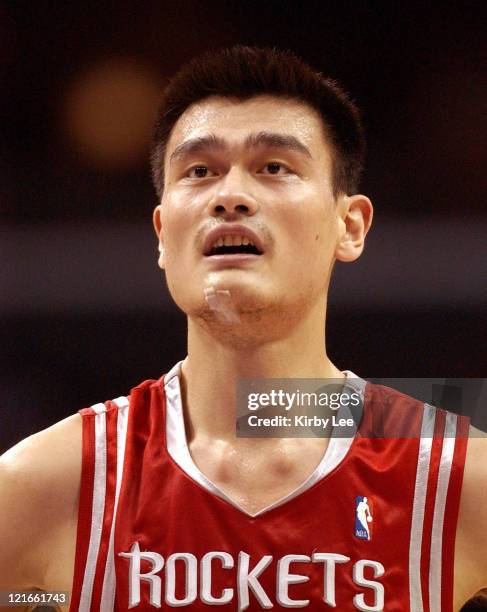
(232, 240)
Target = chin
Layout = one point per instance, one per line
(247, 292)
(239, 300)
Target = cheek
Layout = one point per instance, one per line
(177, 263)
(310, 254)
(181, 213)
(310, 231)
(174, 221)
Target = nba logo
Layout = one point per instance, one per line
(363, 518)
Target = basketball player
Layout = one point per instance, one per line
(151, 500)
(364, 515)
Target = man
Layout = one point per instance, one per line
(152, 499)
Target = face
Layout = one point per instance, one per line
(248, 206)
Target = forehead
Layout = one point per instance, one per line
(234, 120)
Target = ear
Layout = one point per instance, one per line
(355, 218)
(156, 219)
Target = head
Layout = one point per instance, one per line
(252, 143)
(245, 72)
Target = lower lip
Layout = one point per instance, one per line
(233, 259)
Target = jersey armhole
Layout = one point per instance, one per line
(85, 504)
(452, 509)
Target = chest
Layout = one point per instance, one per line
(199, 543)
(365, 533)
(255, 478)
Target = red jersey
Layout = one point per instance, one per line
(373, 528)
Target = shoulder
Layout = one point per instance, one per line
(46, 455)
(50, 457)
(390, 413)
(39, 480)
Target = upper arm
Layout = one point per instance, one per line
(39, 485)
(472, 521)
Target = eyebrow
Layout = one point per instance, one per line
(195, 145)
(278, 141)
(261, 139)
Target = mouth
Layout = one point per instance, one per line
(233, 245)
(233, 242)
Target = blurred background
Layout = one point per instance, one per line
(85, 311)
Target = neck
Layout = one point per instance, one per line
(212, 369)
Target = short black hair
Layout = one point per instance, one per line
(244, 72)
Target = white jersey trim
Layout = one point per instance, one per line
(178, 448)
(107, 601)
(417, 597)
(446, 460)
(98, 507)
(419, 502)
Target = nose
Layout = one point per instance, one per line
(233, 197)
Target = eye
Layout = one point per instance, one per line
(275, 168)
(200, 172)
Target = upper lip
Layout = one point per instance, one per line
(230, 230)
